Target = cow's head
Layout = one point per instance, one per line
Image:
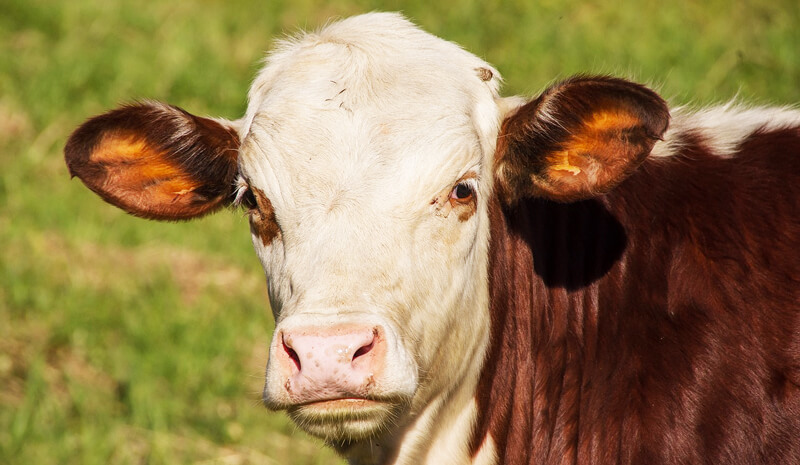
(366, 161)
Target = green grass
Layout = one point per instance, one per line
(127, 341)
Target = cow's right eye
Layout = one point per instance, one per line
(248, 200)
(243, 196)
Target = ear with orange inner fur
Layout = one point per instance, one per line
(156, 161)
(579, 139)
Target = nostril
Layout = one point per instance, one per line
(292, 355)
(364, 350)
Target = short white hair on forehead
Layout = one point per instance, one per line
(374, 46)
(408, 105)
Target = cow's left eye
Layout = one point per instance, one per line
(243, 196)
(249, 200)
(245, 199)
(462, 193)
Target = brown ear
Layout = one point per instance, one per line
(579, 139)
(156, 161)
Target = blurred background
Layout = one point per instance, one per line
(133, 342)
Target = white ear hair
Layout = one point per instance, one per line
(508, 105)
(237, 124)
(240, 190)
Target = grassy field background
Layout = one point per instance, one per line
(133, 342)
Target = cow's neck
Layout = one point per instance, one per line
(545, 261)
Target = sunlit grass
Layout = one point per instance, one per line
(127, 341)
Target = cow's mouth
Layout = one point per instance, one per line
(345, 419)
(346, 403)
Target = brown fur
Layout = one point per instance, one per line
(656, 324)
(262, 218)
(156, 161)
(580, 138)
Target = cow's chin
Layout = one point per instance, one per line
(346, 420)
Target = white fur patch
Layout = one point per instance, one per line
(487, 454)
(350, 132)
(723, 128)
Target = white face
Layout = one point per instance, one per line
(377, 166)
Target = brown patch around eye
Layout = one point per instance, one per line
(467, 212)
(262, 218)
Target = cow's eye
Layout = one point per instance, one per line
(243, 197)
(249, 200)
(462, 193)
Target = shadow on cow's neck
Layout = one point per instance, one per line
(573, 244)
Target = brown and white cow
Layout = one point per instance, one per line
(586, 277)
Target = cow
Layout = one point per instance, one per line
(588, 276)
